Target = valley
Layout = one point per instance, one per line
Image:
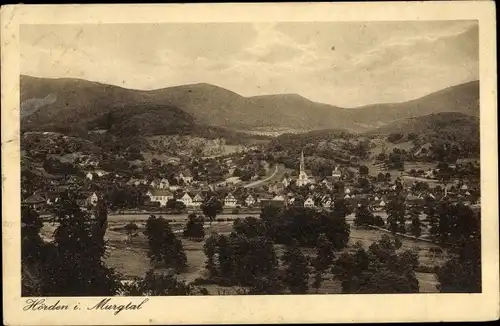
(198, 156)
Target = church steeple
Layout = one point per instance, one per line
(302, 179)
(302, 165)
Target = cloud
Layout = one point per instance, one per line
(394, 49)
(346, 64)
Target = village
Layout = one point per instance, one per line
(270, 185)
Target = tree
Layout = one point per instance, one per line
(175, 205)
(416, 225)
(153, 284)
(194, 228)
(296, 270)
(131, 229)
(377, 270)
(364, 184)
(75, 257)
(164, 247)
(462, 272)
(211, 208)
(378, 221)
(237, 172)
(397, 242)
(363, 216)
(445, 173)
(396, 214)
(324, 258)
(240, 260)
(249, 226)
(271, 284)
(33, 250)
(336, 229)
(210, 249)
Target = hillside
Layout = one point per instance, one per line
(458, 124)
(80, 104)
(58, 104)
(463, 98)
(447, 134)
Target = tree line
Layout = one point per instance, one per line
(263, 255)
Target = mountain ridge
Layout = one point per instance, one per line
(79, 100)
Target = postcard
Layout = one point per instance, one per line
(249, 163)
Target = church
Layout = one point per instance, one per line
(303, 179)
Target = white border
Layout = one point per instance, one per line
(254, 309)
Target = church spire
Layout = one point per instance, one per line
(302, 161)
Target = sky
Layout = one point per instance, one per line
(347, 64)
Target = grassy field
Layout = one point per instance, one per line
(131, 259)
(171, 217)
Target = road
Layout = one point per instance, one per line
(261, 181)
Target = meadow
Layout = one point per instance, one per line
(130, 257)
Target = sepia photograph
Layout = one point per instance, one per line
(243, 158)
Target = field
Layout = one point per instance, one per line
(131, 259)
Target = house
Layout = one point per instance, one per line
(285, 182)
(230, 201)
(279, 198)
(160, 195)
(197, 200)
(336, 174)
(326, 202)
(249, 201)
(92, 199)
(89, 176)
(186, 200)
(276, 188)
(326, 183)
(132, 182)
(155, 183)
(36, 201)
(136, 182)
(263, 196)
(164, 184)
(186, 177)
(309, 202)
(100, 173)
(429, 174)
(52, 201)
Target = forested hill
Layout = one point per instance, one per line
(66, 104)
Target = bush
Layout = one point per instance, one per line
(201, 281)
(223, 281)
(378, 221)
(204, 291)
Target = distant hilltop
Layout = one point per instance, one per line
(62, 103)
